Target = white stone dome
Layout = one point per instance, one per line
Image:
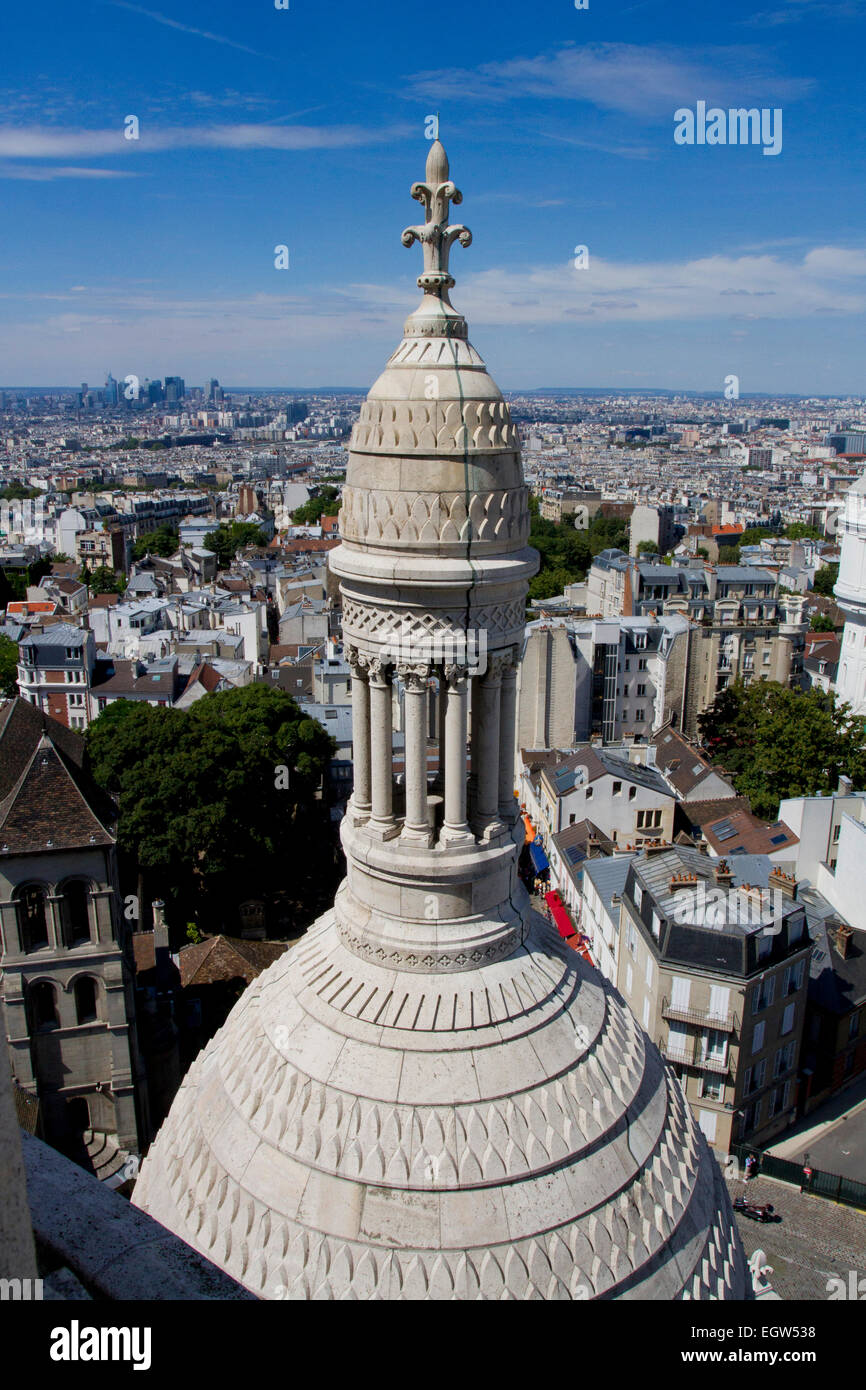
(508, 1131)
(431, 1096)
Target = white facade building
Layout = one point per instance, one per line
(851, 596)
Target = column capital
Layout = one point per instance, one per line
(414, 675)
(357, 661)
(379, 670)
(455, 674)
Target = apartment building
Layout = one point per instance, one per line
(628, 802)
(55, 671)
(713, 961)
(737, 627)
(623, 676)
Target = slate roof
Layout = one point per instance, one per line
(46, 800)
(739, 832)
(222, 958)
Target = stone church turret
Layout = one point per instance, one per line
(431, 1096)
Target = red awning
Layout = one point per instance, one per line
(564, 924)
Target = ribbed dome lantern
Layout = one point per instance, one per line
(431, 1096)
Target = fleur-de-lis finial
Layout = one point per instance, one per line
(436, 236)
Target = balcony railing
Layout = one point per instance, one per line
(692, 1055)
(701, 1018)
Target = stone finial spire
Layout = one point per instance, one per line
(436, 236)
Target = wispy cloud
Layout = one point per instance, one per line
(795, 10)
(826, 280)
(630, 78)
(185, 28)
(43, 173)
(58, 142)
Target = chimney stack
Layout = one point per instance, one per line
(786, 884)
(722, 874)
(840, 935)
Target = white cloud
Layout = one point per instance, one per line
(57, 142)
(828, 280)
(635, 79)
(44, 173)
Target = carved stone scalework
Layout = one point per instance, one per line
(431, 1096)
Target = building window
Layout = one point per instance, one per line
(32, 919)
(76, 913)
(760, 1074)
(632, 793)
(758, 1036)
(639, 716)
(657, 927)
(631, 938)
(712, 1087)
(747, 1081)
(42, 1002)
(787, 1019)
(85, 1000)
(638, 895)
(617, 788)
(854, 1025)
(588, 793)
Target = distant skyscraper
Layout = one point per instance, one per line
(175, 388)
(155, 392)
(109, 393)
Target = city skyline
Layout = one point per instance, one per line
(701, 261)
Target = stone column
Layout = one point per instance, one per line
(415, 826)
(381, 822)
(485, 755)
(507, 733)
(441, 708)
(361, 795)
(54, 920)
(456, 828)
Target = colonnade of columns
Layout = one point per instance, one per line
(475, 807)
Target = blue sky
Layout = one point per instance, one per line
(305, 127)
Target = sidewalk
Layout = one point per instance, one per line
(823, 1124)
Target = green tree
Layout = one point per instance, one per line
(163, 541)
(647, 548)
(778, 742)
(8, 668)
(799, 531)
(106, 581)
(729, 554)
(825, 580)
(820, 622)
(217, 803)
(227, 540)
(753, 534)
(327, 503)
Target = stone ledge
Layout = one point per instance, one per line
(114, 1250)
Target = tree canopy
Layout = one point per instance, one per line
(566, 554)
(163, 542)
(227, 540)
(825, 580)
(820, 622)
(799, 531)
(217, 803)
(779, 742)
(8, 668)
(327, 503)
